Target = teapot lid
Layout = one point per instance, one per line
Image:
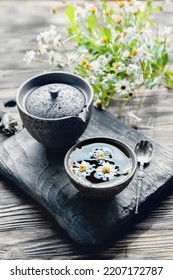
(55, 101)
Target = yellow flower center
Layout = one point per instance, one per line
(118, 20)
(134, 52)
(121, 4)
(88, 66)
(38, 49)
(124, 33)
(118, 36)
(93, 9)
(82, 167)
(84, 61)
(104, 39)
(130, 3)
(106, 169)
(101, 155)
(107, 13)
(117, 65)
(54, 10)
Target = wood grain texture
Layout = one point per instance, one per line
(27, 231)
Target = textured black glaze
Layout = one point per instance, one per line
(56, 132)
(55, 101)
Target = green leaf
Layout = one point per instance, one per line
(106, 32)
(153, 82)
(169, 74)
(104, 4)
(169, 83)
(91, 21)
(169, 78)
(70, 12)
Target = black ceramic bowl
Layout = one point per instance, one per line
(61, 131)
(100, 167)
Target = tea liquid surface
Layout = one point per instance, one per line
(100, 164)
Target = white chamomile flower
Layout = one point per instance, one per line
(125, 54)
(92, 79)
(83, 51)
(101, 72)
(95, 65)
(57, 41)
(42, 49)
(51, 56)
(105, 85)
(47, 36)
(29, 56)
(132, 6)
(120, 38)
(71, 58)
(141, 53)
(110, 77)
(80, 13)
(119, 66)
(83, 168)
(106, 171)
(106, 14)
(118, 20)
(55, 58)
(129, 34)
(91, 8)
(52, 31)
(132, 68)
(103, 60)
(101, 153)
(122, 4)
(123, 87)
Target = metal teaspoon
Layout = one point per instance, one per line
(144, 151)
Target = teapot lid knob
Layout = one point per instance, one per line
(53, 90)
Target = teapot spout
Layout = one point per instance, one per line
(85, 114)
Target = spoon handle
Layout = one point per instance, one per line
(139, 186)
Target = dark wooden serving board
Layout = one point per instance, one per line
(40, 172)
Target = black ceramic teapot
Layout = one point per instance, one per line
(55, 107)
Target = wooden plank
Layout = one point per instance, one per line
(40, 173)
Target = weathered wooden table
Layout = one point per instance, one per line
(27, 231)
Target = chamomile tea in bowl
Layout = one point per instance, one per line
(100, 167)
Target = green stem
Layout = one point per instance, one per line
(41, 60)
(69, 38)
(121, 107)
(120, 98)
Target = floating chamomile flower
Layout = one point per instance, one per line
(106, 171)
(101, 153)
(82, 169)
